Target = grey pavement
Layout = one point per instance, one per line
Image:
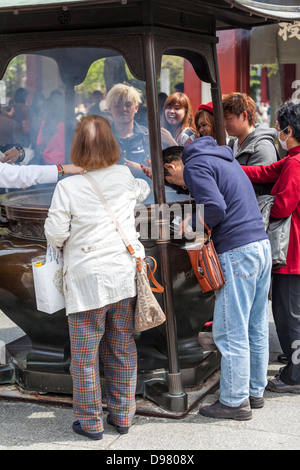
(33, 426)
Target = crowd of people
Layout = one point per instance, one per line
(99, 272)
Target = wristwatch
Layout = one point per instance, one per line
(21, 154)
(60, 171)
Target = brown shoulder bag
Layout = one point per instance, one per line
(206, 265)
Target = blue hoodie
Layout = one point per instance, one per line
(215, 179)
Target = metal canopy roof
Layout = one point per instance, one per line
(20, 4)
(277, 9)
(243, 13)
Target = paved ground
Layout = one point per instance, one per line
(30, 426)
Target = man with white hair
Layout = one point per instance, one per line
(133, 139)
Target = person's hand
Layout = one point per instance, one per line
(72, 169)
(10, 156)
(147, 169)
(167, 138)
(133, 166)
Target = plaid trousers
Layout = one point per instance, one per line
(108, 330)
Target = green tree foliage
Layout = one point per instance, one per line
(95, 80)
(15, 75)
(176, 66)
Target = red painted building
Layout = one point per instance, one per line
(274, 50)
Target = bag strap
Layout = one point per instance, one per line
(110, 212)
(158, 288)
(209, 230)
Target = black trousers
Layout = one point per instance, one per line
(286, 313)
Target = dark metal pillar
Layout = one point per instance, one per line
(171, 397)
(69, 118)
(217, 103)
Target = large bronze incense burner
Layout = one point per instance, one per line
(45, 346)
(74, 34)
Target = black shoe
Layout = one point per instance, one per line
(120, 429)
(278, 386)
(220, 411)
(256, 402)
(282, 359)
(78, 429)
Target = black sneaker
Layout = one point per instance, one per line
(276, 385)
(120, 429)
(91, 435)
(282, 359)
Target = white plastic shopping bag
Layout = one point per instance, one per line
(48, 281)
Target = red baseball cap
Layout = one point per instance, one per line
(207, 107)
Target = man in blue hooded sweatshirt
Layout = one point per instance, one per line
(241, 316)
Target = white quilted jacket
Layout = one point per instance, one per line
(98, 269)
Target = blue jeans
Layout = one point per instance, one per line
(241, 322)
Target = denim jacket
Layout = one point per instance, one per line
(136, 147)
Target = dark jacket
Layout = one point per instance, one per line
(215, 179)
(136, 147)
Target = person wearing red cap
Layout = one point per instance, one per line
(204, 121)
(207, 107)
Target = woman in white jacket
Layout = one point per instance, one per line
(99, 276)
